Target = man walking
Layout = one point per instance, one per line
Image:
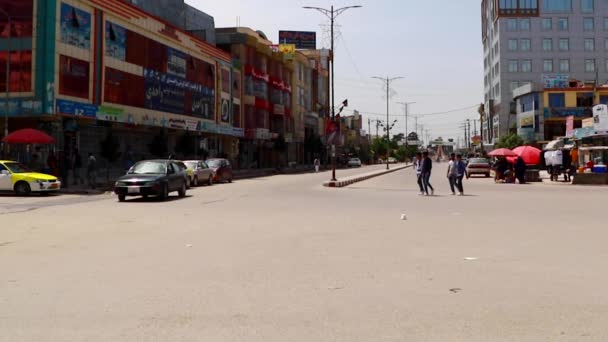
(461, 170)
(418, 169)
(427, 167)
(452, 173)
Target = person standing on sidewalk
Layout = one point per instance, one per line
(427, 167)
(461, 171)
(418, 169)
(91, 169)
(317, 163)
(452, 173)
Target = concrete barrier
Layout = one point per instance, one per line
(363, 177)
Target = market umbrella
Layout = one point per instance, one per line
(502, 152)
(28, 136)
(530, 154)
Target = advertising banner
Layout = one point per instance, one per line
(76, 109)
(163, 92)
(176, 63)
(587, 123)
(600, 118)
(570, 126)
(288, 51)
(75, 26)
(555, 81)
(116, 41)
(304, 40)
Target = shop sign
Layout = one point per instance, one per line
(526, 122)
(206, 126)
(224, 130)
(238, 132)
(600, 118)
(75, 27)
(191, 124)
(556, 81)
(177, 123)
(107, 113)
(577, 112)
(584, 132)
(116, 41)
(176, 63)
(288, 51)
(305, 40)
(587, 123)
(225, 110)
(256, 74)
(21, 107)
(527, 134)
(76, 108)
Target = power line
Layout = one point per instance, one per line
(418, 115)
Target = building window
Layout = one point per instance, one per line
(547, 44)
(564, 65)
(606, 24)
(562, 24)
(20, 77)
(514, 85)
(512, 25)
(548, 65)
(525, 5)
(524, 24)
(526, 65)
(512, 44)
(589, 65)
(587, 6)
(589, 44)
(547, 24)
(508, 5)
(497, 89)
(557, 6)
(513, 66)
(588, 24)
(584, 99)
(564, 44)
(524, 44)
(557, 100)
(73, 77)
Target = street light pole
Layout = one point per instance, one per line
(388, 81)
(407, 111)
(8, 70)
(332, 14)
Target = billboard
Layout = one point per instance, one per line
(116, 41)
(75, 26)
(600, 118)
(303, 40)
(553, 81)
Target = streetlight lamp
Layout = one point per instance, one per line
(388, 81)
(8, 69)
(332, 14)
(407, 111)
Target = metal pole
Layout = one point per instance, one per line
(388, 126)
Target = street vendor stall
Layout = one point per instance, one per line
(592, 166)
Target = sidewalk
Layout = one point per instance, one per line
(340, 183)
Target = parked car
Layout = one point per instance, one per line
(188, 174)
(354, 162)
(478, 166)
(17, 178)
(392, 160)
(201, 172)
(221, 168)
(152, 178)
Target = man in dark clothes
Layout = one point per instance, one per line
(520, 170)
(427, 167)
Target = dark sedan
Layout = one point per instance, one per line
(152, 178)
(221, 168)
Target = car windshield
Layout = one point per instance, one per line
(214, 163)
(479, 161)
(17, 168)
(148, 167)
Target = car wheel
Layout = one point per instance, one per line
(22, 189)
(182, 191)
(195, 182)
(210, 181)
(122, 198)
(164, 192)
(487, 175)
(230, 180)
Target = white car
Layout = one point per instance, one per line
(354, 162)
(392, 160)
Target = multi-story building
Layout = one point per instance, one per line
(530, 42)
(84, 69)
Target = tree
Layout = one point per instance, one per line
(510, 141)
(380, 147)
(158, 146)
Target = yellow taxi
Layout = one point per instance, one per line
(17, 178)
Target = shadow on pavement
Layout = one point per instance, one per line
(154, 199)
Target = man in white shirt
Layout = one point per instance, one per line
(418, 169)
(452, 173)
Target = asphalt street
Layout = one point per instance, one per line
(284, 259)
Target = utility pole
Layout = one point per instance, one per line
(332, 14)
(388, 81)
(369, 130)
(407, 110)
(469, 130)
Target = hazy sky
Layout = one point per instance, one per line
(435, 45)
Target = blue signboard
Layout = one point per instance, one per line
(116, 41)
(176, 63)
(75, 26)
(77, 109)
(21, 107)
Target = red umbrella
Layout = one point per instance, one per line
(530, 154)
(29, 136)
(502, 152)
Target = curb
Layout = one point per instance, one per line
(355, 179)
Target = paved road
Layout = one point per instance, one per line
(284, 259)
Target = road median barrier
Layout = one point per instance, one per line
(340, 183)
